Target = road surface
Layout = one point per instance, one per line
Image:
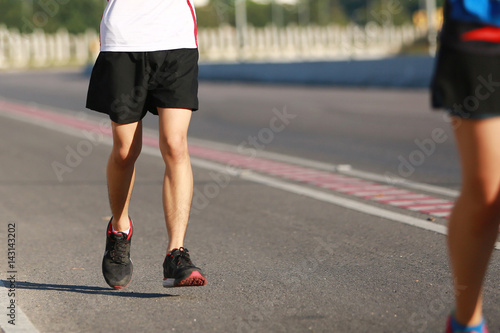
(293, 218)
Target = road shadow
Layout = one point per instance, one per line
(84, 289)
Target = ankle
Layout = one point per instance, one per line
(174, 246)
(121, 224)
(476, 325)
(468, 319)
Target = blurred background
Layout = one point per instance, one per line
(62, 32)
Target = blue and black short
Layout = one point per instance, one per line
(467, 84)
(466, 78)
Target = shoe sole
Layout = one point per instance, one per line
(125, 286)
(121, 287)
(195, 279)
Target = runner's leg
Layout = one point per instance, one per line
(178, 180)
(473, 225)
(127, 144)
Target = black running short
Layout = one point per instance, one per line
(466, 78)
(467, 84)
(126, 85)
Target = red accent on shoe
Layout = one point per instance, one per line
(448, 325)
(194, 279)
(119, 287)
(110, 230)
(486, 34)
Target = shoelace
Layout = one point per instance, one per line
(182, 257)
(119, 251)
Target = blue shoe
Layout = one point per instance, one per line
(453, 326)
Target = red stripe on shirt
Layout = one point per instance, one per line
(486, 34)
(194, 21)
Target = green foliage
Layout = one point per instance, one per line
(218, 12)
(259, 14)
(79, 15)
(76, 16)
(10, 12)
(50, 15)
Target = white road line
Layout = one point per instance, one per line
(401, 182)
(444, 214)
(26, 326)
(340, 168)
(264, 154)
(22, 323)
(395, 194)
(290, 187)
(416, 202)
(326, 197)
(347, 203)
(430, 208)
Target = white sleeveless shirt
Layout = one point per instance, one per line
(148, 25)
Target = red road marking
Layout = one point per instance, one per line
(344, 184)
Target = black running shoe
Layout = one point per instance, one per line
(179, 271)
(117, 267)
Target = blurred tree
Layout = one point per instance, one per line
(217, 12)
(11, 12)
(208, 17)
(75, 16)
(325, 12)
(259, 15)
(79, 15)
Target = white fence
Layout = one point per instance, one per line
(44, 50)
(305, 43)
(292, 43)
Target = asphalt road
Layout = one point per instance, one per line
(276, 261)
(371, 129)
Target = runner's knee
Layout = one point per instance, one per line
(126, 155)
(484, 203)
(174, 148)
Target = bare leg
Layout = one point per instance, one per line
(127, 143)
(178, 180)
(473, 225)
